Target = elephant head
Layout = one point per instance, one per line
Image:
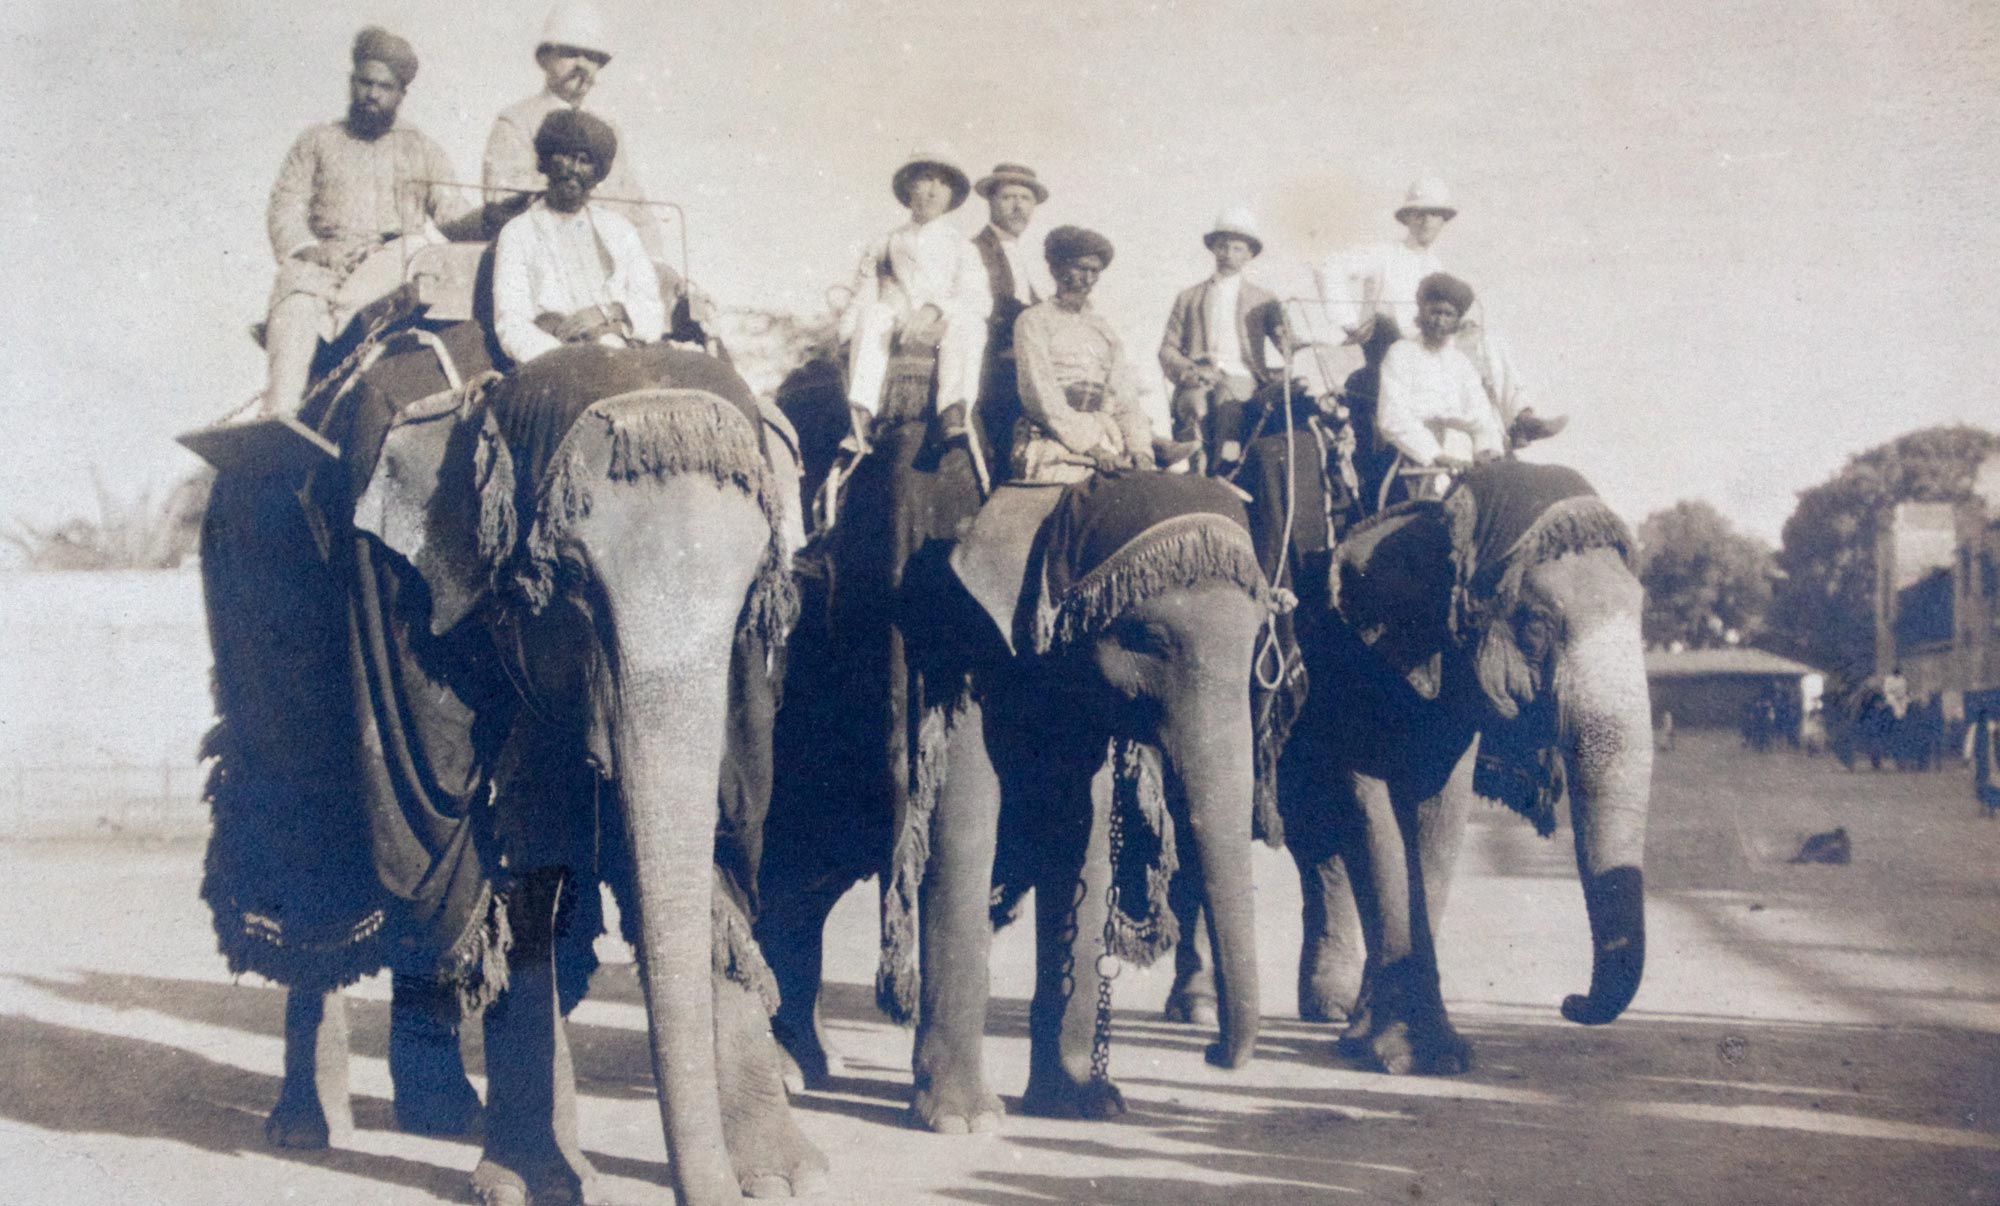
(1542, 628)
(612, 519)
(1142, 598)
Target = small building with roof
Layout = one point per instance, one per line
(1715, 688)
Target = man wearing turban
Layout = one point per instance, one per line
(350, 190)
(1433, 407)
(1080, 411)
(570, 270)
(574, 47)
(1370, 292)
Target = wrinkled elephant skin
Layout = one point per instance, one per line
(1027, 756)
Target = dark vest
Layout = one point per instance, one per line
(1000, 336)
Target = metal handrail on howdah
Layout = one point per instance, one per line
(680, 214)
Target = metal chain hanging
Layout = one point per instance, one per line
(1108, 966)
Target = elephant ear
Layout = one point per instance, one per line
(1393, 584)
(442, 497)
(992, 558)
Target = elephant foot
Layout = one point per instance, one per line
(774, 1159)
(300, 1122)
(1402, 1047)
(949, 1112)
(808, 1062)
(432, 1094)
(1328, 999)
(1192, 1008)
(496, 1184)
(1059, 1097)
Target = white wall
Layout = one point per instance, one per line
(104, 697)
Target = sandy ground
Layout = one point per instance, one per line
(1805, 1034)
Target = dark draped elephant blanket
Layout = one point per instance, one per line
(356, 751)
(347, 753)
(1505, 518)
(1111, 543)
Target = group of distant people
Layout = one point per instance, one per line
(1013, 336)
(1003, 330)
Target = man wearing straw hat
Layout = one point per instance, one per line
(346, 190)
(922, 284)
(1018, 281)
(1213, 350)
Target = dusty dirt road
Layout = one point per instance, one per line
(1806, 1034)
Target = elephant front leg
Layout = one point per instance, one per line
(791, 933)
(1192, 998)
(313, 1108)
(771, 1156)
(433, 1095)
(1065, 1076)
(1332, 954)
(1400, 1024)
(956, 927)
(531, 1152)
(1326, 836)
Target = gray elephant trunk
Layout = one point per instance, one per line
(1603, 690)
(1211, 757)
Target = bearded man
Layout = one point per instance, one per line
(570, 270)
(347, 190)
(574, 47)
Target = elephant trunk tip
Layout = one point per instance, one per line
(1615, 901)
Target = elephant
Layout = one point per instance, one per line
(1081, 661)
(544, 606)
(1484, 645)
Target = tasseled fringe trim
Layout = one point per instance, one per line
(1483, 623)
(1147, 845)
(493, 477)
(697, 434)
(1573, 525)
(735, 954)
(252, 942)
(897, 980)
(477, 962)
(1176, 554)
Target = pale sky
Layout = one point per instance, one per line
(1735, 246)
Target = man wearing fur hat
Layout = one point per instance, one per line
(1372, 294)
(922, 284)
(572, 50)
(1213, 350)
(347, 189)
(569, 270)
(1079, 409)
(1433, 406)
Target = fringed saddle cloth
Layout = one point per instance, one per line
(1505, 518)
(1110, 544)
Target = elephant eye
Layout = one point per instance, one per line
(1144, 636)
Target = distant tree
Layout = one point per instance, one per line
(126, 534)
(1823, 611)
(1706, 584)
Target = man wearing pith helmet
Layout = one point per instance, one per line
(1372, 292)
(922, 283)
(574, 47)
